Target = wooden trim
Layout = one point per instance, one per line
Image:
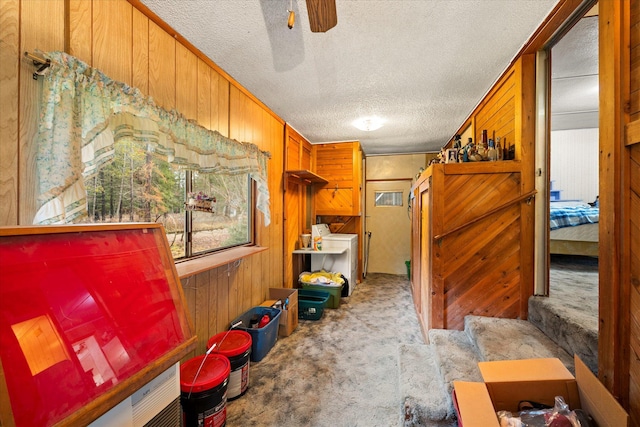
(204, 263)
(437, 319)
(27, 230)
(610, 344)
(179, 38)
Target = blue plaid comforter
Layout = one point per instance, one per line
(572, 216)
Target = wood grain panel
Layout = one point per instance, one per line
(162, 67)
(476, 267)
(79, 31)
(609, 343)
(276, 168)
(469, 196)
(9, 89)
(634, 280)
(140, 52)
(334, 202)
(112, 40)
(224, 88)
(218, 279)
(201, 310)
(487, 284)
(204, 94)
(502, 95)
(235, 113)
(186, 82)
(293, 154)
(41, 27)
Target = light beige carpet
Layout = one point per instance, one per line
(342, 370)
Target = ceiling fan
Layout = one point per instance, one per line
(322, 15)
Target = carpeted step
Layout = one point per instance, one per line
(426, 403)
(455, 356)
(572, 328)
(510, 339)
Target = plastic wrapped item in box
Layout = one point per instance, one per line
(262, 339)
(311, 304)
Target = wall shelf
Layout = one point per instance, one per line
(306, 176)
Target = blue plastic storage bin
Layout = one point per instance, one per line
(262, 339)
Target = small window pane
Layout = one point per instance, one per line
(224, 218)
(388, 198)
(137, 186)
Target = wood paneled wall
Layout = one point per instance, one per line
(130, 44)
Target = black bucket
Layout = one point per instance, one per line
(203, 395)
(236, 346)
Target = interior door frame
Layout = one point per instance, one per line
(542, 256)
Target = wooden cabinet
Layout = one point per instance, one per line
(298, 152)
(470, 243)
(341, 165)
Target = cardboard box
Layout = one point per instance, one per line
(289, 317)
(508, 382)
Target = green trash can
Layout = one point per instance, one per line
(408, 264)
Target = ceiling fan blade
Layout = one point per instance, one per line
(322, 15)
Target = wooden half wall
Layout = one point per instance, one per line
(130, 44)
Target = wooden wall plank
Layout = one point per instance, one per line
(609, 344)
(140, 52)
(224, 88)
(41, 27)
(112, 39)
(186, 82)
(10, 58)
(80, 30)
(204, 94)
(162, 67)
(215, 100)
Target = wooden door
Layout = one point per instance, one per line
(390, 227)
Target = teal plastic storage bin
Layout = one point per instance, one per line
(311, 304)
(262, 339)
(334, 292)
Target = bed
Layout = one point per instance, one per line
(573, 229)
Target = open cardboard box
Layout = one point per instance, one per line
(510, 381)
(289, 317)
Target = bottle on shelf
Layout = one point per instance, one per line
(499, 151)
(492, 154)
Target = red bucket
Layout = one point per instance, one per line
(236, 347)
(204, 398)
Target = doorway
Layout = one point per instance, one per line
(568, 148)
(389, 223)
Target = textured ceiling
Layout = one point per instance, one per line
(574, 73)
(421, 65)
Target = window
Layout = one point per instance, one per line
(201, 212)
(388, 198)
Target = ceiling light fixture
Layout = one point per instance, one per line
(368, 124)
(292, 16)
